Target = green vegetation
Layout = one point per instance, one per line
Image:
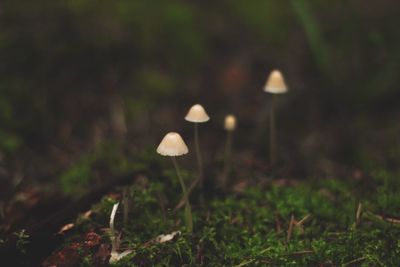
(22, 240)
(88, 87)
(251, 228)
(75, 180)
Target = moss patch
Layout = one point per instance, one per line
(252, 227)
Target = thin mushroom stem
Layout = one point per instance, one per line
(198, 153)
(125, 201)
(177, 169)
(113, 237)
(272, 140)
(228, 148)
(228, 158)
(188, 212)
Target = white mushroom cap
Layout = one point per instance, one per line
(197, 114)
(230, 123)
(172, 145)
(275, 83)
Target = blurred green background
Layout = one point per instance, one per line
(75, 74)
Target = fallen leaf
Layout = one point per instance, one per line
(87, 214)
(66, 227)
(167, 237)
(115, 256)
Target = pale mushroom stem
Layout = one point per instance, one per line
(113, 237)
(188, 212)
(125, 201)
(228, 148)
(198, 154)
(228, 158)
(272, 140)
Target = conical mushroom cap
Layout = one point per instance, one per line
(275, 83)
(230, 123)
(197, 114)
(172, 145)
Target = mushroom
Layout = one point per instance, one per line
(197, 115)
(230, 123)
(275, 84)
(230, 126)
(172, 145)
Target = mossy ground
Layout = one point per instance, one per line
(249, 226)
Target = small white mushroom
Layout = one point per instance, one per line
(197, 114)
(230, 126)
(274, 85)
(172, 145)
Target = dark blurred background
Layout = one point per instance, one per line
(75, 75)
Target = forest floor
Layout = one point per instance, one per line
(258, 221)
(280, 216)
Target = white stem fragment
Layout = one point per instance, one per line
(112, 216)
(115, 256)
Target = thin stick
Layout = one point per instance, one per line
(182, 201)
(272, 140)
(354, 261)
(290, 229)
(278, 224)
(252, 260)
(245, 263)
(300, 253)
(302, 221)
(358, 214)
(188, 212)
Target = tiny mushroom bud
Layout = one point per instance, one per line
(197, 114)
(275, 83)
(230, 123)
(172, 145)
(230, 126)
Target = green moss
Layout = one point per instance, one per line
(241, 229)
